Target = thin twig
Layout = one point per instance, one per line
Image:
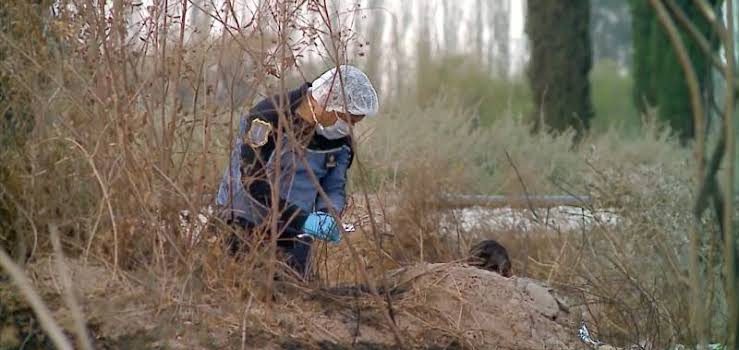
(106, 196)
(5, 193)
(530, 205)
(523, 185)
(243, 324)
(39, 308)
(83, 336)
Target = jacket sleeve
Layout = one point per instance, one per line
(334, 184)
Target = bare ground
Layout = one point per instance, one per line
(434, 306)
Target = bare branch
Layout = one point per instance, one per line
(83, 335)
(39, 308)
(691, 79)
(728, 219)
(710, 15)
(698, 119)
(699, 38)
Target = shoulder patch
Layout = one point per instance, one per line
(258, 133)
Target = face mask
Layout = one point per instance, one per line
(336, 131)
(340, 129)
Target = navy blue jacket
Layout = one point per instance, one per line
(245, 192)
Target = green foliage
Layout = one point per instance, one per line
(443, 131)
(466, 80)
(611, 90)
(489, 99)
(659, 78)
(561, 59)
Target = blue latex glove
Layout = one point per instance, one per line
(322, 226)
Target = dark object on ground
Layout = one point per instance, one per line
(490, 255)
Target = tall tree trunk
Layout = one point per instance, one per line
(561, 58)
(423, 47)
(200, 21)
(399, 40)
(451, 25)
(376, 33)
(499, 48)
(479, 30)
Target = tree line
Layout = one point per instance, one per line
(562, 50)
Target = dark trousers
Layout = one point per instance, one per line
(296, 250)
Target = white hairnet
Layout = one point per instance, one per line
(361, 98)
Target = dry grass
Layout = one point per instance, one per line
(129, 131)
(633, 278)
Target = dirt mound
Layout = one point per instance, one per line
(476, 309)
(447, 306)
(432, 306)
